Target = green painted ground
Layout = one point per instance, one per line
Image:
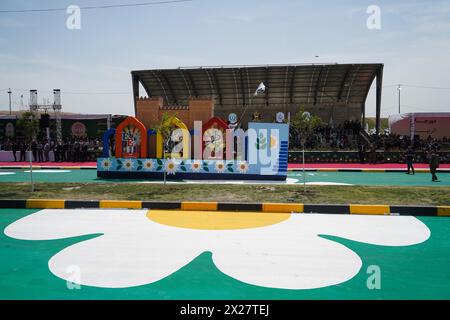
(413, 272)
(374, 178)
(358, 178)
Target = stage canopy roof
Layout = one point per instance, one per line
(294, 84)
(286, 84)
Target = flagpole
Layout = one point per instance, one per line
(261, 88)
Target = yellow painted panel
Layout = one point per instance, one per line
(443, 211)
(45, 203)
(120, 204)
(369, 209)
(282, 207)
(201, 206)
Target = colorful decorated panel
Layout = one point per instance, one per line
(182, 169)
(261, 152)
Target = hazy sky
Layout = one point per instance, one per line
(38, 51)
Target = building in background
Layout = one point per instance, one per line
(423, 124)
(73, 125)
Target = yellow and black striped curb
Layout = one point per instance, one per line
(220, 206)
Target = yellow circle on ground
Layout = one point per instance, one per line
(216, 220)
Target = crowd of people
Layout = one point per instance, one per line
(348, 136)
(66, 150)
(394, 142)
(326, 137)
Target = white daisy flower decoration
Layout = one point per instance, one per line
(128, 164)
(148, 165)
(106, 164)
(171, 166)
(242, 166)
(220, 166)
(196, 165)
(263, 249)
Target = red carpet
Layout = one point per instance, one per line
(291, 165)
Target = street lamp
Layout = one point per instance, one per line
(307, 117)
(9, 93)
(399, 89)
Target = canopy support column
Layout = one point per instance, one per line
(135, 82)
(378, 98)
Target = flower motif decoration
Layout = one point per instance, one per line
(196, 165)
(128, 164)
(220, 166)
(106, 164)
(148, 165)
(242, 166)
(287, 253)
(171, 166)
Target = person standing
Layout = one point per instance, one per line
(47, 151)
(434, 164)
(34, 150)
(57, 151)
(409, 157)
(64, 151)
(40, 152)
(23, 149)
(14, 147)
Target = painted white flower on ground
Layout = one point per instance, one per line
(171, 166)
(148, 165)
(138, 247)
(242, 166)
(220, 166)
(196, 165)
(106, 164)
(128, 164)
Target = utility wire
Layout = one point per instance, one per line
(123, 92)
(416, 86)
(72, 92)
(98, 7)
(424, 87)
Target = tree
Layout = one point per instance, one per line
(165, 128)
(304, 125)
(28, 125)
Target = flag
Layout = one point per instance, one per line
(261, 89)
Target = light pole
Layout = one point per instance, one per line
(306, 116)
(9, 93)
(399, 89)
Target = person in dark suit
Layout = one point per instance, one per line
(34, 150)
(23, 149)
(434, 164)
(15, 148)
(409, 157)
